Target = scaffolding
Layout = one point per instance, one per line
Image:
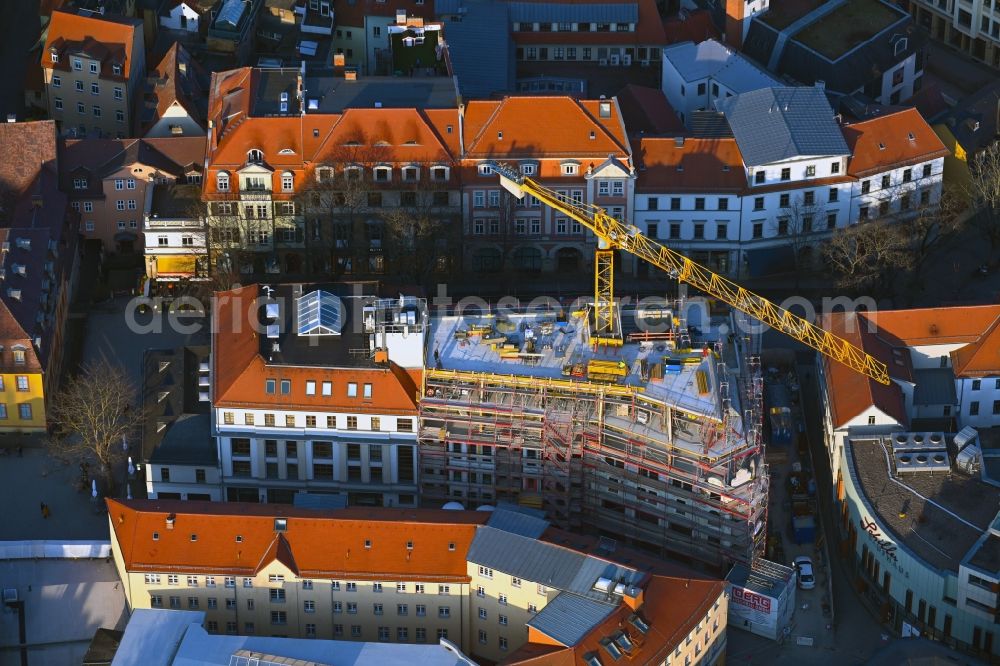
(607, 458)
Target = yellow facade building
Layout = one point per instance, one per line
(501, 585)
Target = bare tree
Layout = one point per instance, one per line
(867, 256)
(421, 236)
(795, 222)
(932, 225)
(94, 414)
(984, 189)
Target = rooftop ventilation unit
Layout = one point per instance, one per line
(909, 462)
(918, 441)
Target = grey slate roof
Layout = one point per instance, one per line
(934, 386)
(775, 124)
(481, 72)
(518, 522)
(569, 618)
(188, 441)
(545, 563)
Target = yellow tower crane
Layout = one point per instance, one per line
(612, 234)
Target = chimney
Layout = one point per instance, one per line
(12, 117)
(735, 23)
(821, 84)
(171, 519)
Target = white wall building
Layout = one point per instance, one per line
(696, 75)
(324, 400)
(790, 177)
(181, 16)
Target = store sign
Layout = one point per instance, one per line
(888, 548)
(752, 600)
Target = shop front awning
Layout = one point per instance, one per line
(175, 266)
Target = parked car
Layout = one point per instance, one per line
(804, 565)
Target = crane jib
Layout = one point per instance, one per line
(617, 234)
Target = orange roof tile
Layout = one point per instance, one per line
(317, 544)
(707, 165)
(520, 127)
(884, 142)
(696, 27)
(100, 36)
(980, 358)
(850, 393)
(922, 326)
(672, 606)
(240, 370)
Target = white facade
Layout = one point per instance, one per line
(798, 202)
(181, 17)
(979, 401)
(695, 75)
(186, 482)
(329, 458)
(175, 121)
(898, 82)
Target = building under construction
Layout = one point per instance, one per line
(651, 439)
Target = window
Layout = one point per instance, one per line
(786, 174)
(22, 383)
(421, 610)
(482, 613)
(352, 587)
(758, 203)
(834, 194)
(503, 643)
(784, 200)
(444, 611)
(570, 170)
(871, 420)
(405, 425)
(885, 182)
(59, 107)
(485, 572)
(377, 609)
(277, 595)
(758, 229)
(222, 182)
(834, 167)
(866, 186)
(503, 620)
(279, 617)
(532, 608)
(974, 408)
(976, 384)
(810, 171)
(927, 171)
(721, 232)
(907, 175)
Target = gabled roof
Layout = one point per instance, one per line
(712, 59)
(317, 544)
(105, 38)
(850, 393)
(689, 165)
(775, 124)
(519, 127)
(973, 122)
(982, 357)
(890, 142)
(171, 85)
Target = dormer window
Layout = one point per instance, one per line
(352, 172)
(255, 156)
(485, 170)
(528, 169)
(439, 173)
(54, 55)
(287, 182)
(77, 65)
(324, 174)
(383, 174)
(411, 173)
(117, 69)
(570, 169)
(899, 46)
(222, 181)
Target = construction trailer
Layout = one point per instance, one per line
(654, 441)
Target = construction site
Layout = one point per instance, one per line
(650, 437)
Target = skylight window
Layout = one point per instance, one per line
(319, 314)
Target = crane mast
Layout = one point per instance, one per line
(613, 234)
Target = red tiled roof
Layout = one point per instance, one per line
(317, 544)
(940, 326)
(25, 148)
(647, 111)
(704, 163)
(980, 358)
(240, 370)
(520, 127)
(102, 37)
(696, 27)
(188, 89)
(884, 143)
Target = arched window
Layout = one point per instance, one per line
(222, 180)
(287, 182)
(255, 156)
